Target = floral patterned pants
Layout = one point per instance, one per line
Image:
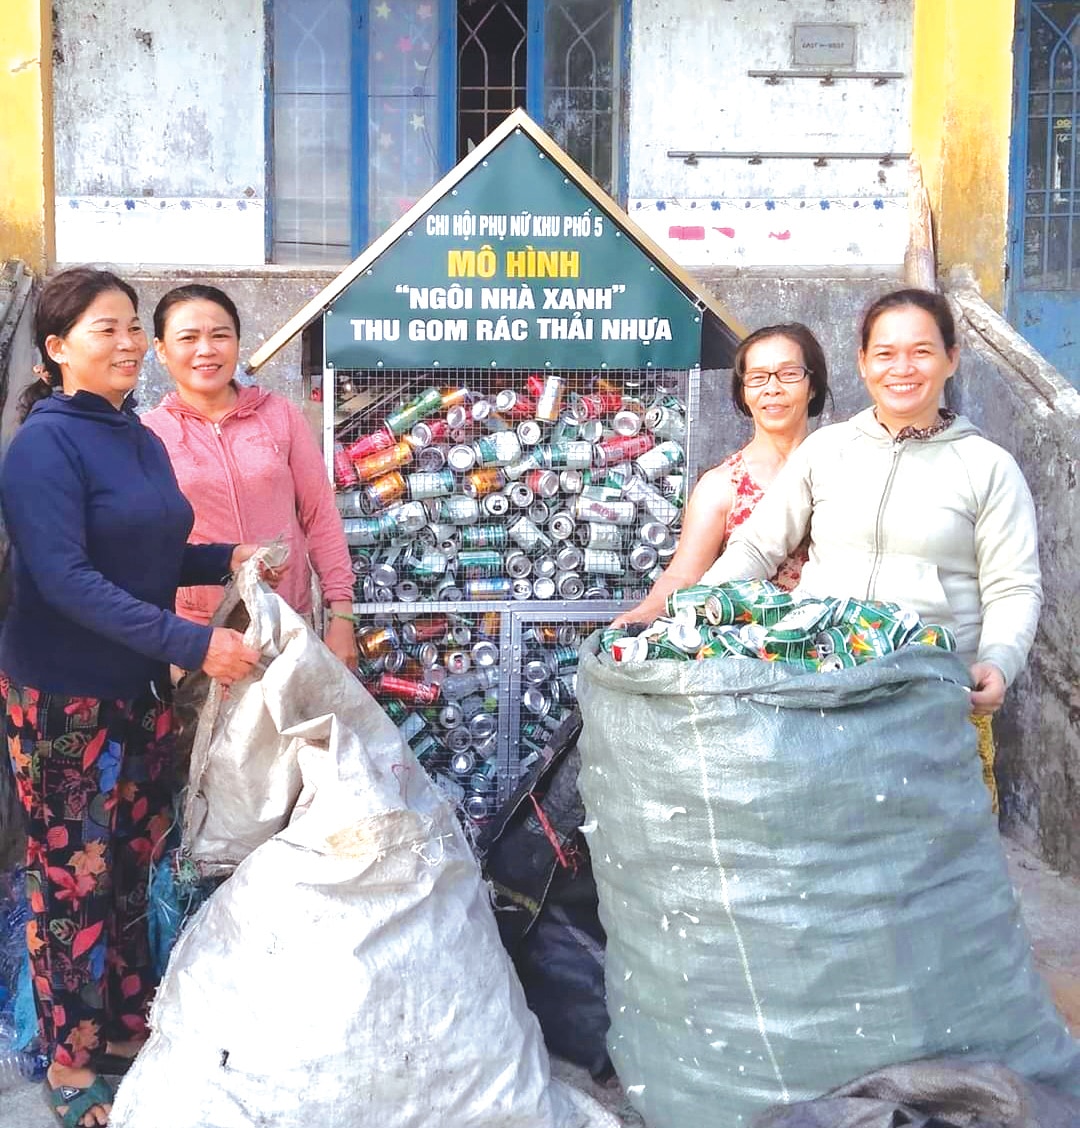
(95, 780)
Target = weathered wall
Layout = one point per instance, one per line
(26, 164)
(160, 151)
(1010, 392)
(17, 353)
(690, 91)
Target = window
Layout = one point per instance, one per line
(373, 100)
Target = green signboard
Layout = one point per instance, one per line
(515, 266)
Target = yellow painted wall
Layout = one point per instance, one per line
(26, 135)
(961, 120)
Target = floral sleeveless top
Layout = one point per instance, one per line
(745, 494)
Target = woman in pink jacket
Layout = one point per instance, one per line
(247, 462)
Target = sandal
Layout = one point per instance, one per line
(78, 1102)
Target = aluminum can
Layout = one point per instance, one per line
(684, 638)
(437, 484)
(656, 534)
(496, 505)
(543, 588)
(539, 511)
(457, 661)
(406, 689)
(428, 565)
(383, 461)
(426, 403)
(406, 592)
(529, 432)
(931, 634)
(481, 482)
(476, 807)
(529, 536)
(461, 633)
(454, 397)
(694, 597)
(561, 525)
(361, 562)
(384, 490)
(595, 406)
(447, 591)
(603, 562)
(673, 487)
(544, 566)
(482, 727)
(549, 401)
(521, 497)
(719, 610)
(521, 466)
(459, 741)
(344, 471)
(485, 653)
(461, 458)
(431, 458)
(868, 643)
(478, 563)
(570, 481)
(593, 535)
(350, 504)
(569, 558)
(514, 405)
(660, 460)
(604, 512)
(626, 422)
(642, 556)
(427, 750)
(666, 423)
(413, 726)
(833, 663)
(569, 585)
(450, 716)
(481, 410)
(455, 687)
(370, 444)
(522, 589)
(791, 621)
(497, 449)
(591, 431)
(602, 493)
(463, 762)
(517, 565)
(535, 702)
(488, 589)
(646, 496)
(832, 640)
(395, 710)
(575, 455)
(384, 574)
(566, 430)
(621, 447)
(484, 536)
(434, 431)
(537, 670)
(408, 518)
(458, 417)
(630, 649)
(543, 483)
(425, 630)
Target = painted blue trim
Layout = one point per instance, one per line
(1018, 157)
(622, 139)
(534, 60)
(359, 127)
(268, 131)
(448, 84)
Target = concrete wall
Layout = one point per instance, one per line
(159, 131)
(1006, 388)
(690, 91)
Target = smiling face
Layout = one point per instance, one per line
(777, 408)
(905, 365)
(200, 348)
(103, 351)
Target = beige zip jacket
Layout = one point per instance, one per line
(945, 526)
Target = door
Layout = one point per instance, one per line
(1044, 266)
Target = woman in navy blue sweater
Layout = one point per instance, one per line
(98, 529)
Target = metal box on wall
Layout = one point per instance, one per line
(511, 379)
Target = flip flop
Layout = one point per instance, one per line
(77, 1101)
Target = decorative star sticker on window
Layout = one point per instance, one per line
(382, 11)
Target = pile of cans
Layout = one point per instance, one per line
(756, 619)
(532, 492)
(438, 678)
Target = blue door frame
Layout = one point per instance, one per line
(1043, 290)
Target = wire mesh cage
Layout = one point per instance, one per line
(479, 505)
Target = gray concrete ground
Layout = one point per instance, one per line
(1051, 907)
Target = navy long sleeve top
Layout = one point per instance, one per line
(98, 529)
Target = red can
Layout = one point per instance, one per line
(370, 444)
(383, 461)
(543, 483)
(595, 406)
(406, 689)
(622, 447)
(344, 471)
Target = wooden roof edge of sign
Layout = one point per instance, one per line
(518, 119)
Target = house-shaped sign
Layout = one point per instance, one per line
(515, 259)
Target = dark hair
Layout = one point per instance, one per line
(813, 356)
(934, 304)
(193, 292)
(63, 299)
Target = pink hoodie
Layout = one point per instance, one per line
(256, 475)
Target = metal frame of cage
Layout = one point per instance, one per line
(374, 394)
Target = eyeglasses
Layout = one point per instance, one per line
(759, 377)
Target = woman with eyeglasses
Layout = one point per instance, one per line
(780, 381)
(907, 503)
